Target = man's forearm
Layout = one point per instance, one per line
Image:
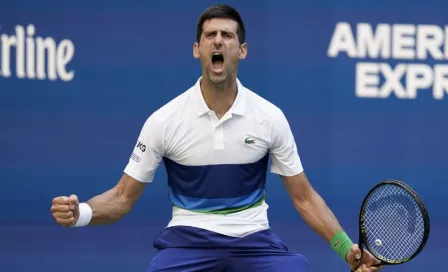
(316, 214)
(109, 207)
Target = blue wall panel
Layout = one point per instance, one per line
(131, 57)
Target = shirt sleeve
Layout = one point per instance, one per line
(285, 159)
(147, 152)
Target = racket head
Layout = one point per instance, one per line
(384, 231)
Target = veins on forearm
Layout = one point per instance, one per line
(108, 207)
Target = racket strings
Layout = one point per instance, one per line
(394, 223)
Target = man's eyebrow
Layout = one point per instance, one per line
(228, 31)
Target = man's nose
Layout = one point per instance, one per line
(218, 42)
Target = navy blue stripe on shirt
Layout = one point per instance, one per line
(216, 181)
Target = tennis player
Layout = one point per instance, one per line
(215, 140)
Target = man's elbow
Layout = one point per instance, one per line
(305, 200)
(124, 202)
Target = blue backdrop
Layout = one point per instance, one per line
(79, 78)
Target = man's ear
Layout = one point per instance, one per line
(243, 51)
(196, 54)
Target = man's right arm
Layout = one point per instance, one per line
(116, 202)
(106, 208)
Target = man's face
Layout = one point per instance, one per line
(219, 49)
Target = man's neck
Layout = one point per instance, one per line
(219, 98)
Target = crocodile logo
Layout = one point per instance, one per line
(249, 141)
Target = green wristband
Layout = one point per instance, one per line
(341, 243)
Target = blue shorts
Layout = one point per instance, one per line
(188, 249)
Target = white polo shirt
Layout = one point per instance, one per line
(216, 168)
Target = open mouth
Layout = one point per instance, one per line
(217, 60)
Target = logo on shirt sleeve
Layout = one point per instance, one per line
(135, 157)
(141, 146)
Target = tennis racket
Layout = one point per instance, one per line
(393, 223)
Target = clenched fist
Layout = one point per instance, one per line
(65, 210)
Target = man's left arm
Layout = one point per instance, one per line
(315, 212)
(309, 204)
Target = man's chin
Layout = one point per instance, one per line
(217, 79)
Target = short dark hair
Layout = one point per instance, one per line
(224, 12)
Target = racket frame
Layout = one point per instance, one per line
(362, 229)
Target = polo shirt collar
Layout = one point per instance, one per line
(238, 106)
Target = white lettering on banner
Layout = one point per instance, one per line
(394, 42)
(35, 57)
(370, 44)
